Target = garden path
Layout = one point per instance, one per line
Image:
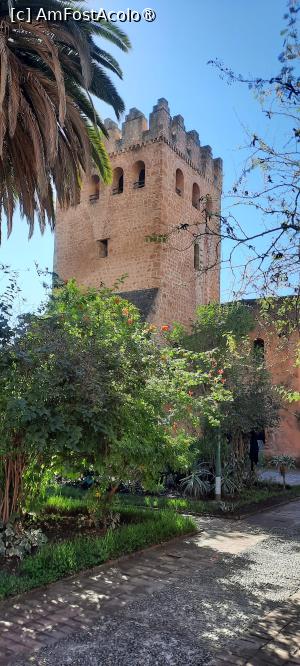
(292, 477)
(182, 603)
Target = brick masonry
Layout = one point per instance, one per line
(175, 167)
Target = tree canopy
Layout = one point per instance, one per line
(84, 385)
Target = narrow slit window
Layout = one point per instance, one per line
(118, 181)
(259, 347)
(179, 187)
(94, 189)
(139, 175)
(102, 248)
(196, 257)
(196, 196)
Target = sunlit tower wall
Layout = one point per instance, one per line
(164, 180)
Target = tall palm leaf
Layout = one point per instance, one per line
(50, 133)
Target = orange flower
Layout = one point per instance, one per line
(165, 327)
(125, 312)
(129, 321)
(220, 372)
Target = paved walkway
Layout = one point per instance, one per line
(292, 478)
(174, 604)
(273, 640)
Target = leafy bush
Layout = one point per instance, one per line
(55, 561)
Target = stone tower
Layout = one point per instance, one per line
(162, 178)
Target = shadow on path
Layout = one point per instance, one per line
(175, 604)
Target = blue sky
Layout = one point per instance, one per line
(169, 59)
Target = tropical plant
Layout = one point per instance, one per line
(50, 132)
(283, 463)
(199, 482)
(230, 482)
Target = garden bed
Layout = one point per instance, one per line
(249, 501)
(60, 559)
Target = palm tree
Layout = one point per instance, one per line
(50, 133)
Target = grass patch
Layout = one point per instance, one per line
(259, 495)
(67, 506)
(55, 561)
(67, 491)
(130, 505)
(256, 495)
(179, 504)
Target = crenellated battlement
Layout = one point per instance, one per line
(136, 130)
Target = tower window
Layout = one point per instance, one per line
(118, 181)
(139, 172)
(179, 187)
(208, 206)
(196, 257)
(102, 248)
(196, 196)
(259, 347)
(94, 189)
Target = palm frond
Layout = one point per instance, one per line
(50, 133)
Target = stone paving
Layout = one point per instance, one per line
(57, 624)
(292, 477)
(273, 640)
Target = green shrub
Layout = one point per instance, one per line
(54, 561)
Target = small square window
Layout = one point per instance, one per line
(102, 248)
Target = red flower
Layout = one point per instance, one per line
(165, 327)
(220, 372)
(129, 321)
